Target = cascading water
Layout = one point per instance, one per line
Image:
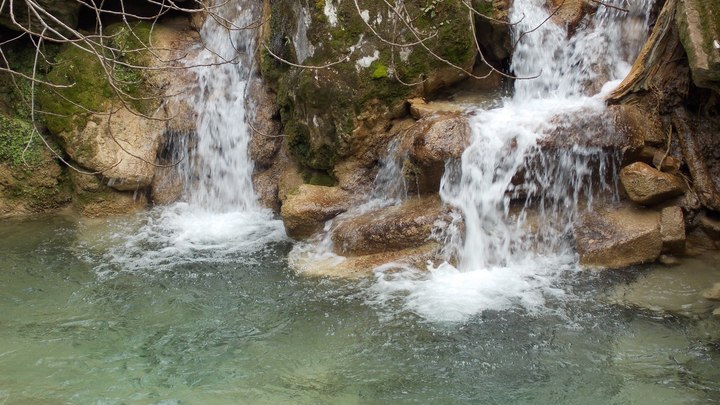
(500, 262)
(221, 216)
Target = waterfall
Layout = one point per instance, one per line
(220, 218)
(518, 201)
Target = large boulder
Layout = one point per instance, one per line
(435, 140)
(322, 108)
(397, 227)
(698, 23)
(305, 209)
(648, 186)
(114, 123)
(66, 12)
(618, 237)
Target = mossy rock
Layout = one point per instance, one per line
(86, 74)
(320, 107)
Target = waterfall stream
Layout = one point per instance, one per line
(501, 261)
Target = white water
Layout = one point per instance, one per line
(501, 264)
(221, 216)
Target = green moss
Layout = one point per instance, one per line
(379, 70)
(16, 145)
(318, 178)
(86, 77)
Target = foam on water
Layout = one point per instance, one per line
(502, 262)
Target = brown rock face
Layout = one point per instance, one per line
(672, 229)
(435, 140)
(305, 210)
(698, 22)
(648, 186)
(616, 238)
(398, 227)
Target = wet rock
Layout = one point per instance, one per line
(264, 126)
(672, 229)
(570, 12)
(265, 184)
(638, 125)
(712, 293)
(167, 186)
(305, 210)
(698, 23)
(678, 290)
(64, 11)
(110, 203)
(648, 186)
(363, 266)
(666, 163)
(398, 227)
(616, 237)
(493, 34)
(420, 109)
(710, 224)
(435, 140)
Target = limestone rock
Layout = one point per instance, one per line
(669, 164)
(363, 266)
(570, 12)
(711, 225)
(109, 203)
(65, 11)
(618, 237)
(391, 228)
(712, 293)
(435, 140)
(266, 137)
(672, 229)
(648, 186)
(698, 23)
(420, 109)
(642, 127)
(167, 185)
(123, 146)
(305, 210)
(265, 184)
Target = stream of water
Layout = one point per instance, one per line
(196, 302)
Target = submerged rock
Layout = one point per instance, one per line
(305, 209)
(618, 237)
(712, 293)
(648, 186)
(398, 227)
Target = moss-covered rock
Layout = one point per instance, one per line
(698, 23)
(320, 107)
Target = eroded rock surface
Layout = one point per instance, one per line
(698, 23)
(305, 209)
(672, 229)
(616, 237)
(648, 186)
(398, 227)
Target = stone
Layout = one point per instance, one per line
(435, 140)
(265, 184)
(305, 210)
(167, 186)
(710, 224)
(672, 229)
(420, 109)
(110, 203)
(362, 266)
(712, 293)
(617, 237)
(266, 136)
(67, 12)
(666, 163)
(638, 125)
(648, 186)
(397, 227)
(698, 23)
(570, 12)
(677, 290)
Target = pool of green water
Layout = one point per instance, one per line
(247, 330)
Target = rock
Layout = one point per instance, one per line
(109, 203)
(397, 227)
(265, 126)
(618, 237)
(65, 11)
(420, 109)
(716, 312)
(493, 34)
(710, 224)
(570, 12)
(698, 23)
(672, 229)
(167, 185)
(648, 186)
(320, 108)
(435, 140)
(305, 210)
(677, 290)
(265, 184)
(668, 164)
(712, 293)
(363, 266)
(638, 125)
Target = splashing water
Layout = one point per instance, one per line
(506, 185)
(222, 216)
